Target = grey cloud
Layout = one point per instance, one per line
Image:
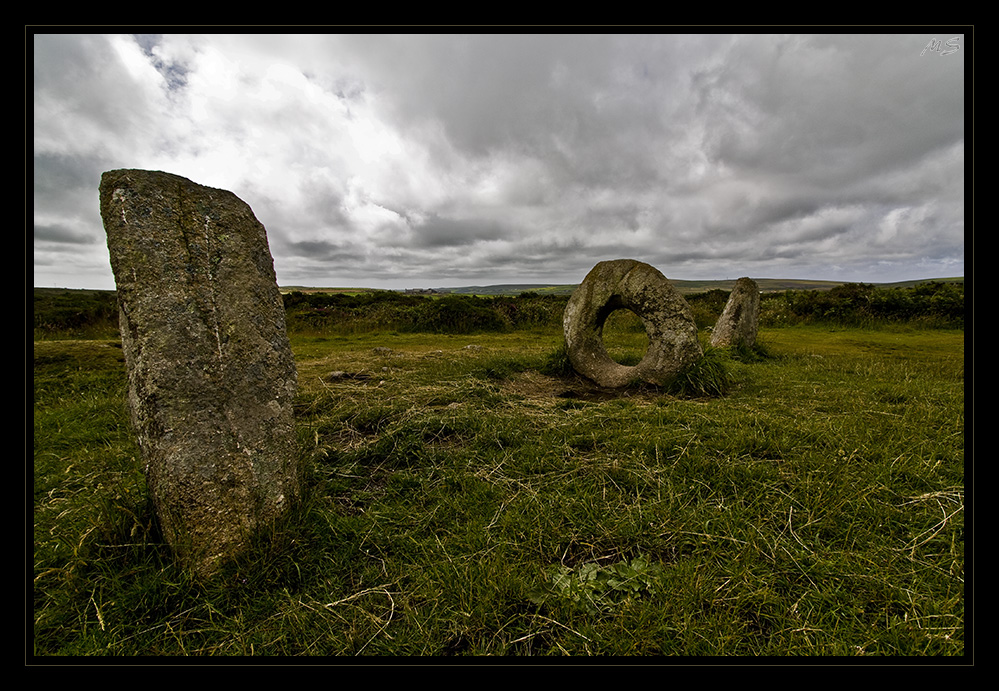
(405, 158)
(448, 232)
(85, 100)
(486, 90)
(319, 250)
(830, 107)
(64, 235)
(66, 185)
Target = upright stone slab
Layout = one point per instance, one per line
(211, 377)
(739, 321)
(641, 288)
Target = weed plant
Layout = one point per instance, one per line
(468, 496)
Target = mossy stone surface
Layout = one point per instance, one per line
(641, 288)
(211, 375)
(739, 321)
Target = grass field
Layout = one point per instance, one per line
(462, 500)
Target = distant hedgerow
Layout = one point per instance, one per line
(934, 304)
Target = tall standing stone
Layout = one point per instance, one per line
(211, 376)
(739, 321)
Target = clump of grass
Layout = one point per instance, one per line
(758, 352)
(500, 367)
(708, 376)
(556, 363)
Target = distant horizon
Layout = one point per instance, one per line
(341, 286)
(565, 283)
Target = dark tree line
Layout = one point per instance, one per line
(933, 304)
(83, 314)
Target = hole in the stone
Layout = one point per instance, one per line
(624, 337)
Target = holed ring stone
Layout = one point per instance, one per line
(636, 286)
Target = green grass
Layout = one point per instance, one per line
(466, 497)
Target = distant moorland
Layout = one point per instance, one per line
(767, 285)
(62, 313)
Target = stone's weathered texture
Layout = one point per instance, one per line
(211, 376)
(633, 285)
(739, 321)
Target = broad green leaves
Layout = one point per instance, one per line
(598, 588)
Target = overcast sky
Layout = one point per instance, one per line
(390, 161)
